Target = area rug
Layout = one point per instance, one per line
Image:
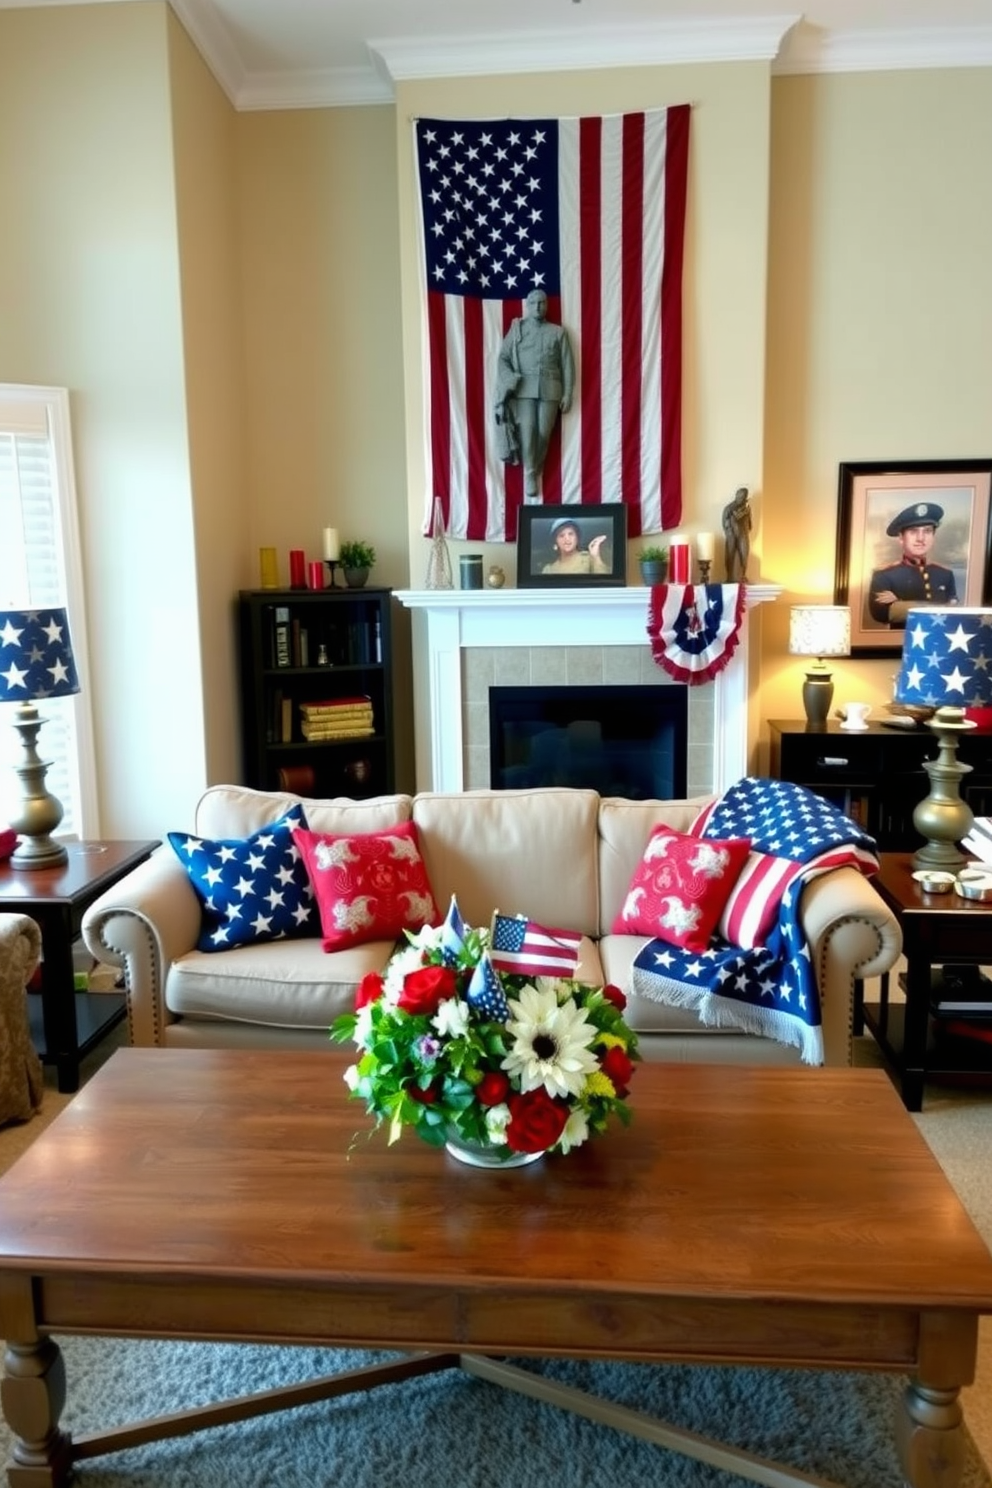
(450, 1430)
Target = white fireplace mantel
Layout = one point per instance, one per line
(461, 618)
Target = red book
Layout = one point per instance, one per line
(960, 1029)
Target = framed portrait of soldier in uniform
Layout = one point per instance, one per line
(910, 534)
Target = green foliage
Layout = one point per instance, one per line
(357, 554)
(408, 1073)
(653, 554)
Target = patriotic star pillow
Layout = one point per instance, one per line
(680, 887)
(371, 886)
(250, 889)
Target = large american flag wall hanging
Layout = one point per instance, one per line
(592, 211)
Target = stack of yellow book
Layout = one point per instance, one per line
(337, 718)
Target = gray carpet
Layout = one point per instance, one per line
(453, 1431)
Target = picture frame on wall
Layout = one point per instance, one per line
(572, 547)
(909, 533)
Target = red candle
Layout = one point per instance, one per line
(297, 568)
(678, 563)
(316, 573)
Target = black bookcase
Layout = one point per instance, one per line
(301, 648)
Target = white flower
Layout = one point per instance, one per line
(451, 1018)
(497, 1120)
(550, 1043)
(363, 1026)
(576, 1130)
(351, 1076)
(411, 958)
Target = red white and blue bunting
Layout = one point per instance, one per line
(694, 629)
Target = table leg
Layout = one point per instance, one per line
(929, 1438)
(916, 1025)
(33, 1396)
(58, 1000)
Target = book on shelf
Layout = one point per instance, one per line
(339, 705)
(337, 731)
(281, 641)
(287, 720)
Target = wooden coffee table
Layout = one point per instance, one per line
(748, 1216)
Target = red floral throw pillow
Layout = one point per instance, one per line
(368, 887)
(680, 887)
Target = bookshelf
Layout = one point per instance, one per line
(317, 690)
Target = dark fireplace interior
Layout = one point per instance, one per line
(620, 741)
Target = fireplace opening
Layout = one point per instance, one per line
(620, 741)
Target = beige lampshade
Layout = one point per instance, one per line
(820, 630)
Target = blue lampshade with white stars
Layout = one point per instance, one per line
(946, 658)
(36, 658)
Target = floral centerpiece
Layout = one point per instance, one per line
(466, 1041)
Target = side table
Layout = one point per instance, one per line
(57, 898)
(936, 928)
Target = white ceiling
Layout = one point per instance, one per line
(314, 53)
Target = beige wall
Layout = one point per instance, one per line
(90, 300)
(205, 159)
(879, 315)
(321, 307)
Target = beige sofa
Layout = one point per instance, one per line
(561, 856)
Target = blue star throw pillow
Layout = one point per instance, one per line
(252, 888)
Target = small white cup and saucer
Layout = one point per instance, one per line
(856, 716)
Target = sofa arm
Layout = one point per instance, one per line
(142, 924)
(852, 934)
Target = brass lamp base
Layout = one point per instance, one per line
(942, 817)
(39, 811)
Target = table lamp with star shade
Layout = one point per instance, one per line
(946, 665)
(36, 662)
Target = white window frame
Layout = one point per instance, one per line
(52, 405)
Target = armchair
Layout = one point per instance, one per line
(21, 1081)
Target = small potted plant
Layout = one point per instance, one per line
(356, 560)
(654, 564)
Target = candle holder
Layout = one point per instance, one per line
(332, 564)
(705, 565)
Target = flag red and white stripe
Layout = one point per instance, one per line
(524, 948)
(609, 209)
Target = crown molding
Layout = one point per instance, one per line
(652, 45)
(809, 49)
(789, 43)
(328, 87)
(214, 42)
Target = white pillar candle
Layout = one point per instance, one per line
(704, 546)
(332, 545)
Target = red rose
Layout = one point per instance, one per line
(613, 994)
(618, 1069)
(424, 990)
(369, 990)
(492, 1088)
(426, 1097)
(536, 1121)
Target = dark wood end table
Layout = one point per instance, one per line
(936, 928)
(70, 1023)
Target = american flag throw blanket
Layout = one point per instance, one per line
(766, 983)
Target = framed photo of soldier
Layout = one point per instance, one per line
(571, 546)
(910, 534)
